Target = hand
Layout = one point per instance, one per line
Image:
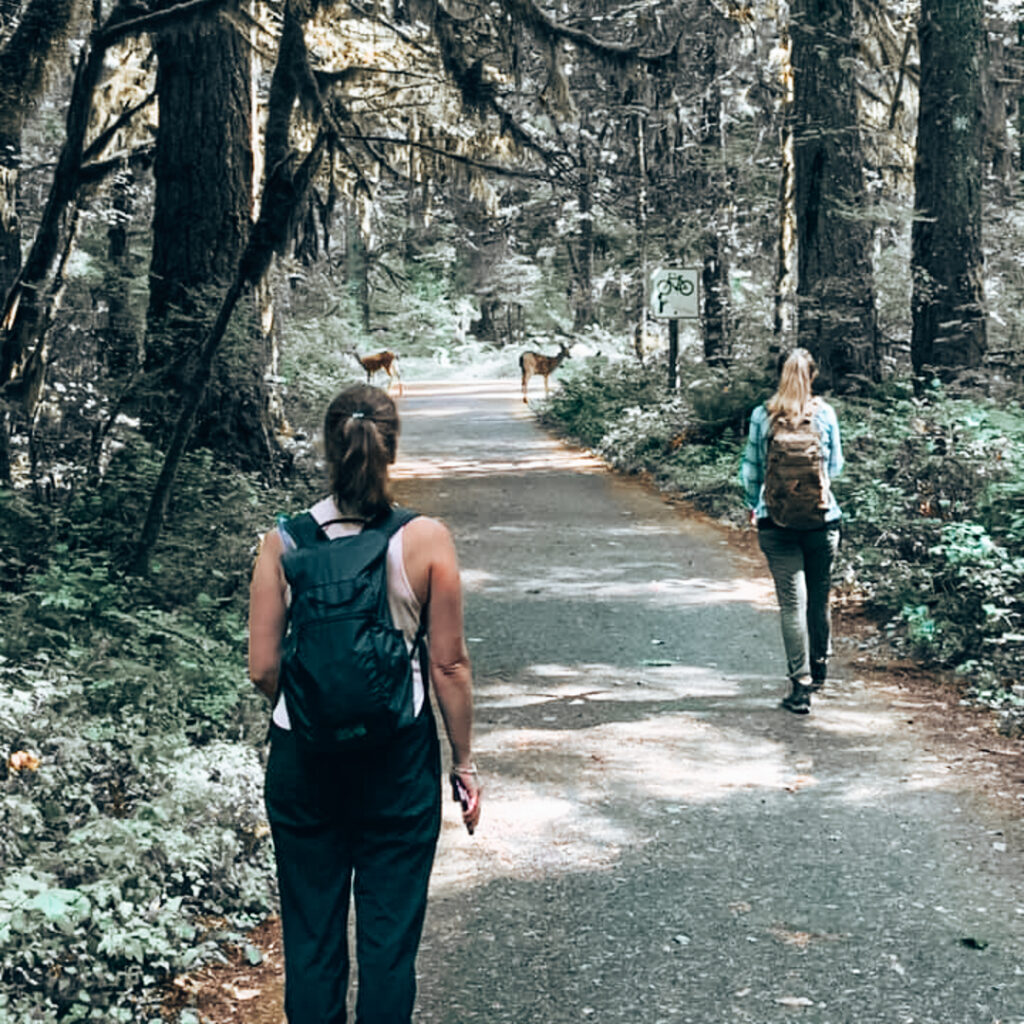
(466, 790)
(753, 517)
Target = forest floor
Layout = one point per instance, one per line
(660, 842)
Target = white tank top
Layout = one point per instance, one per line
(404, 605)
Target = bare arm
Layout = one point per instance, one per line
(433, 569)
(267, 614)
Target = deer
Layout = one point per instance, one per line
(386, 361)
(536, 363)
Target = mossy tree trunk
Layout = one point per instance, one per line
(948, 289)
(581, 250)
(715, 269)
(836, 317)
(23, 59)
(203, 169)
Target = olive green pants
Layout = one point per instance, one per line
(363, 824)
(801, 565)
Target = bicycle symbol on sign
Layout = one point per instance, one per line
(673, 292)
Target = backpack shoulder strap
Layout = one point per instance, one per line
(391, 523)
(303, 529)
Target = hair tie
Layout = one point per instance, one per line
(358, 415)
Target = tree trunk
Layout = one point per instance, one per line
(640, 330)
(582, 257)
(1019, 61)
(357, 265)
(715, 272)
(22, 74)
(486, 328)
(948, 291)
(584, 292)
(120, 342)
(998, 76)
(203, 206)
(784, 314)
(10, 226)
(836, 318)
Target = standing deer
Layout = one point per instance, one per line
(534, 362)
(386, 361)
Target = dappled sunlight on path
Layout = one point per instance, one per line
(489, 462)
(580, 770)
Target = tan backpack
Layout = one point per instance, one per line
(796, 485)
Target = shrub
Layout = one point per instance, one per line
(132, 838)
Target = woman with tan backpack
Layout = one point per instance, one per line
(792, 455)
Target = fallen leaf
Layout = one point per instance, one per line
(794, 1001)
(740, 907)
(22, 760)
(241, 994)
(799, 939)
(799, 782)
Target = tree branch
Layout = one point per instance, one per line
(895, 105)
(483, 165)
(92, 174)
(527, 13)
(98, 144)
(115, 31)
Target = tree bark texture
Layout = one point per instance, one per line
(784, 314)
(948, 304)
(203, 171)
(715, 270)
(583, 257)
(22, 73)
(120, 345)
(835, 292)
(583, 292)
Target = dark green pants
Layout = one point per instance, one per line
(368, 825)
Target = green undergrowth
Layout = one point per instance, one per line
(933, 497)
(132, 837)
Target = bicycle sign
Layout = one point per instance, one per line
(675, 294)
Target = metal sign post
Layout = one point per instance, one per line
(675, 296)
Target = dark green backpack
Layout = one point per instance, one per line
(346, 671)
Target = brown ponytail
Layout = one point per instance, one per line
(360, 440)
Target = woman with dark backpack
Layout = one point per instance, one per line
(792, 455)
(356, 807)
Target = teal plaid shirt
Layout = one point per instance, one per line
(756, 452)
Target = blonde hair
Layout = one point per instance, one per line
(794, 395)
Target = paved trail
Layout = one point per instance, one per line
(661, 843)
